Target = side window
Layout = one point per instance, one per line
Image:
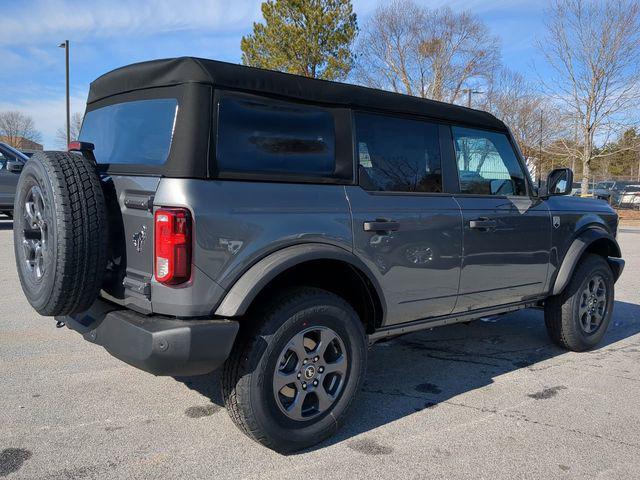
(3, 160)
(398, 155)
(258, 135)
(487, 164)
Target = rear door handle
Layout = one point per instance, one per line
(381, 226)
(482, 224)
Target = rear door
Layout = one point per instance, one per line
(404, 227)
(507, 232)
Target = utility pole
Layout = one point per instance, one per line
(65, 45)
(469, 92)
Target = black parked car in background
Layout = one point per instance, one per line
(11, 163)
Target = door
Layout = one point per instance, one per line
(507, 232)
(404, 227)
(8, 180)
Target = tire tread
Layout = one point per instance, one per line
(81, 226)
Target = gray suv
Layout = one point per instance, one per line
(214, 215)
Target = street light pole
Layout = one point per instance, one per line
(65, 45)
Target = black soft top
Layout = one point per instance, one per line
(177, 71)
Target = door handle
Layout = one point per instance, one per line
(381, 226)
(483, 224)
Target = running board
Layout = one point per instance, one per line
(424, 324)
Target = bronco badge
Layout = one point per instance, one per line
(139, 238)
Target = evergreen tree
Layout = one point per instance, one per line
(306, 37)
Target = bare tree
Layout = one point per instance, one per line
(61, 133)
(430, 53)
(16, 127)
(531, 117)
(593, 48)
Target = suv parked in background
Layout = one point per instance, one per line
(218, 214)
(610, 191)
(11, 163)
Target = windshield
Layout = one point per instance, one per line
(604, 185)
(137, 133)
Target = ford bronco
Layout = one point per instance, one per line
(215, 215)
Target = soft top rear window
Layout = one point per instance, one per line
(137, 133)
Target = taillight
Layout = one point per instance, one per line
(172, 245)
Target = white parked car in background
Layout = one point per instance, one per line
(630, 197)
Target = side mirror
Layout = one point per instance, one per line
(559, 181)
(14, 166)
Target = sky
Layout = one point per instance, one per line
(106, 34)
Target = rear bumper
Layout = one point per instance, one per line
(156, 344)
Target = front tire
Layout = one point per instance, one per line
(578, 318)
(295, 369)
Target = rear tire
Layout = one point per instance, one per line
(277, 397)
(60, 233)
(578, 317)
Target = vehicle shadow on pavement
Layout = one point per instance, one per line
(423, 370)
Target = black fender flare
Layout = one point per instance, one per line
(250, 284)
(579, 245)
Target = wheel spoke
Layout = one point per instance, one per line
(282, 379)
(295, 409)
(583, 309)
(297, 345)
(338, 366)
(326, 337)
(588, 321)
(324, 399)
(29, 214)
(39, 205)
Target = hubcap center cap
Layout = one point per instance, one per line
(309, 372)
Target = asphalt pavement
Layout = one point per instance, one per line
(493, 399)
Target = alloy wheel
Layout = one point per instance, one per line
(593, 304)
(35, 233)
(310, 373)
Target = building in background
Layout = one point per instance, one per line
(24, 145)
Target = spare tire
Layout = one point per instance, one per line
(60, 232)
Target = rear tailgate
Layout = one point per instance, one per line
(130, 137)
(130, 267)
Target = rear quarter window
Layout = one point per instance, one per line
(262, 136)
(138, 132)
